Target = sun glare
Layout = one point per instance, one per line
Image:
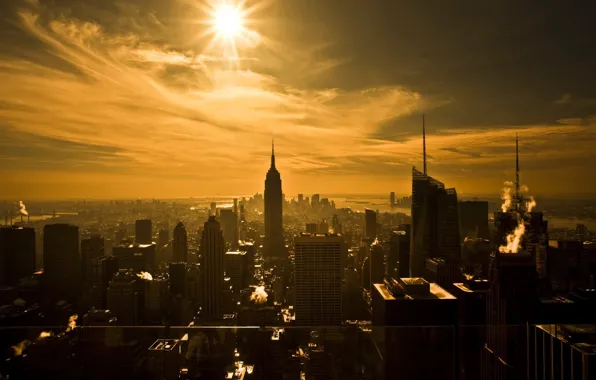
(228, 21)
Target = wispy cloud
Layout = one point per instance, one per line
(137, 103)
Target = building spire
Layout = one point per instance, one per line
(273, 153)
(517, 192)
(424, 144)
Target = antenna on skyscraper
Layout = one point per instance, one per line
(424, 144)
(272, 152)
(517, 193)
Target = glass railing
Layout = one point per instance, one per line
(356, 351)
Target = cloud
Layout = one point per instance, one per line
(126, 98)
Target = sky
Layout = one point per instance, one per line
(141, 99)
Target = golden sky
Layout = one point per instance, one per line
(135, 99)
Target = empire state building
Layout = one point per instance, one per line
(274, 234)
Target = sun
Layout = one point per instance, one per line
(228, 21)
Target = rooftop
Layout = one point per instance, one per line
(164, 345)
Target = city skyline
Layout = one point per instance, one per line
(145, 93)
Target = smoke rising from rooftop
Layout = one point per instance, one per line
(23, 209)
(145, 276)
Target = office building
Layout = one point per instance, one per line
(212, 251)
(442, 272)
(471, 302)
(512, 301)
(62, 263)
(136, 257)
(17, 254)
(370, 224)
(315, 202)
(561, 352)
(274, 235)
(180, 244)
(473, 220)
(123, 298)
(377, 262)
(423, 317)
(317, 279)
(177, 273)
(392, 200)
(165, 358)
(143, 231)
(229, 226)
(91, 248)
(163, 236)
(156, 296)
(235, 267)
(102, 270)
(398, 260)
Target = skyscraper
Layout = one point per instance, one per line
(274, 234)
(17, 254)
(143, 231)
(370, 224)
(212, 252)
(377, 262)
(177, 273)
(62, 263)
(392, 200)
(398, 260)
(91, 248)
(229, 226)
(435, 220)
(180, 244)
(473, 219)
(136, 257)
(318, 279)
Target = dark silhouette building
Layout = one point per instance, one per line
(91, 248)
(274, 234)
(62, 263)
(136, 257)
(473, 219)
(414, 329)
(177, 278)
(143, 231)
(318, 279)
(229, 226)
(398, 260)
(17, 254)
(180, 244)
(102, 270)
(370, 224)
(377, 262)
(212, 251)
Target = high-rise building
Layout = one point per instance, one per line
(163, 237)
(377, 262)
(123, 298)
(212, 252)
(398, 260)
(136, 257)
(370, 224)
(424, 317)
(229, 226)
(315, 202)
(435, 219)
(317, 279)
(213, 209)
(17, 254)
(177, 278)
(62, 263)
(473, 219)
(392, 200)
(180, 244)
(102, 270)
(512, 301)
(235, 266)
(143, 231)
(274, 234)
(91, 248)
(562, 352)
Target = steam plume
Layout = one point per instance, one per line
(18, 349)
(259, 296)
(506, 196)
(530, 204)
(145, 276)
(72, 322)
(23, 209)
(45, 334)
(514, 239)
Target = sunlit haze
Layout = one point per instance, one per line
(181, 98)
